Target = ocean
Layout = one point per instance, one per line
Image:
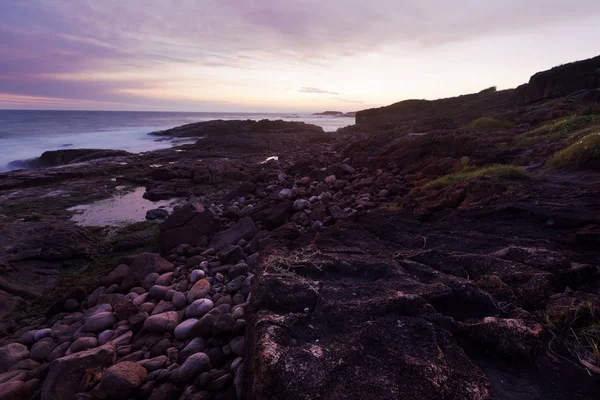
(27, 134)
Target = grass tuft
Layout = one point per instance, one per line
(564, 128)
(578, 154)
(489, 123)
(507, 172)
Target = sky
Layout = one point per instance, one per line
(278, 55)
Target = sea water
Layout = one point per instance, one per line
(27, 134)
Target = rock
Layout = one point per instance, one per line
(42, 349)
(83, 343)
(160, 323)
(66, 375)
(199, 308)
(158, 292)
(122, 380)
(42, 333)
(244, 189)
(301, 204)
(199, 290)
(164, 392)
(238, 345)
(12, 354)
(106, 336)
(125, 309)
(194, 366)
(27, 364)
(243, 229)
(511, 337)
(188, 225)
(231, 254)
(347, 169)
(235, 284)
(116, 276)
(71, 305)
(273, 216)
(149, 280)
(154, 364)
(330, 179)
(183, 331)
(59, 351)
(99, 322)
(237, 270)
(286, 194)
(15, 390)
(179, 300)
(157, 213)
(12, 376)
(144, 265)
(196, 275)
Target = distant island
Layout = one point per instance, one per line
(337, 114)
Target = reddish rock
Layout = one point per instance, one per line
(122, 380)
(67, 375)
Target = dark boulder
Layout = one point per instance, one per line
(189, 225)
(143, 265)
(274, 215)
(243, 229)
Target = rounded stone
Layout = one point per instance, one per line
(164, 322)
(99, 322)
(12, 354)
(42, 349)
(121, 380)
(194, 366)
(238, 345)
(199, 308)
(196, 275)
(199, 290)
(183, 331)
(179, 300)
(42, 333)
(83, 343)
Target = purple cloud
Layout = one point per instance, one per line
(42, 38)
(315, 90)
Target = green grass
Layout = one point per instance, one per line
(506, 172)
(489, 123)
(579, 330)
(563, 128)
(578, 154)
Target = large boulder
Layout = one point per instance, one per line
(192, 224)
(67, 375)
(243, 229)
(142, 266)
(274, 215)
(121, 380)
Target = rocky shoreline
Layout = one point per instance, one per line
(430, 251)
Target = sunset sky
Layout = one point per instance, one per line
(268, 55)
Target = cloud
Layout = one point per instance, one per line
(242, 39)
(315, 90)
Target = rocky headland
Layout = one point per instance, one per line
(442, 249)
